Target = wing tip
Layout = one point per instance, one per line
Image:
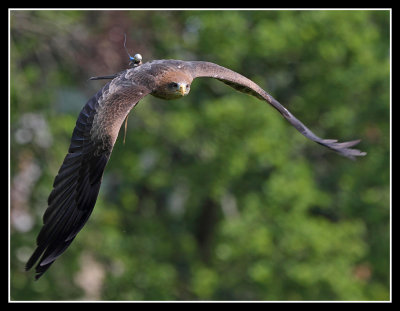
(344, 148)
(109, 77)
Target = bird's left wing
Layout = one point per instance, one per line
(245, 85)
(77, 184)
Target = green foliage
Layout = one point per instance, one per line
(214, 196)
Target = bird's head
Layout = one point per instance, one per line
(180, 88)
(173, 86)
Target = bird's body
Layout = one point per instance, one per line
(77, 183)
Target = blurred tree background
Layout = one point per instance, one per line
(214, 196)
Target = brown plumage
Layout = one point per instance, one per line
(77, 184)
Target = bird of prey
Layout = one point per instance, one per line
(77, 183)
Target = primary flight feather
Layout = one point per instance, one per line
(77, 183)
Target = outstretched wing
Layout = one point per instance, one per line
(77, 184)
(242, 84)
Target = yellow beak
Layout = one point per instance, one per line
(182, 89)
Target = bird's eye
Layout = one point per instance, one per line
(187, 86)
(174, 84)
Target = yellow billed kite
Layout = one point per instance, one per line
(77, 183)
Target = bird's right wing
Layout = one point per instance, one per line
(77, 184)
(245, 85)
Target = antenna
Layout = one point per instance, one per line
(135, 60)
(130, 57)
